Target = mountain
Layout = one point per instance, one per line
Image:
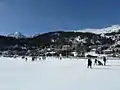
(58, 40)
(79, 41)
(110, 29)
(17, 35)
(64, 38)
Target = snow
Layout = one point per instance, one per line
(92, 53)
(55, 74)
(112, 28)
(16, 35)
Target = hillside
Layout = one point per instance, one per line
(58, 41)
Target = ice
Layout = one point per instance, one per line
(55, 74)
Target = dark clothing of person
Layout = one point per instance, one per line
(95, 63)
(33, 58)
(100, 63)
(60, 58)
(26, 59)
(104, 60)
(89, 63)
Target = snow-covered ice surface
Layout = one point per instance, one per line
(54, 74)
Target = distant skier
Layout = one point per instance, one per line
(104, 60)
(89, 63)
(95, 62)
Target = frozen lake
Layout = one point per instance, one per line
(54, 74)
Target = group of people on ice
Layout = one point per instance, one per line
(96, 62)
(35, 58)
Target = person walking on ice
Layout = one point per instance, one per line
(104, 60)
(89, 63)
(95, 62)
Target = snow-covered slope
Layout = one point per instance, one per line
(113, 28)
(16, 35)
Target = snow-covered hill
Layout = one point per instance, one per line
(113, 28)
(16, 35)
